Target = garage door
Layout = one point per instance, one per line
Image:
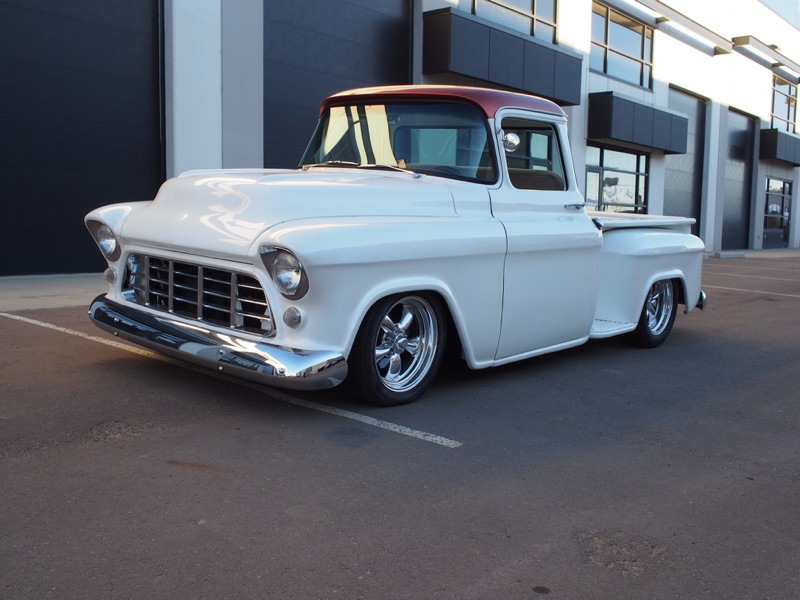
(684, 172)
(738, 180)
(81, 121)
(312, 49)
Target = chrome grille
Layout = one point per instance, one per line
(216, 296)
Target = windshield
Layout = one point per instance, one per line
(445, 139)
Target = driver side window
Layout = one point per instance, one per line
(535, 163)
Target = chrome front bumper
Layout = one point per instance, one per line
(226, 352)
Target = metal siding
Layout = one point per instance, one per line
(313, 49)
(539, 70)
(622, 113)
(780, 145)
(643, 125)
(470, 45)
(684, 172)
(506, 59)
(625, 122)
(738, 180)
(81, 123)
(461, 44)
(568, 71)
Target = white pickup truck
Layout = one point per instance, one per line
(419, 216)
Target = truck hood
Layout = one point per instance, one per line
(222, 213)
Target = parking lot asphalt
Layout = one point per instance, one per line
(602, 472)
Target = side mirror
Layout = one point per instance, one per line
(510, 142)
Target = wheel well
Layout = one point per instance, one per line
(680, 288)
(453, 341)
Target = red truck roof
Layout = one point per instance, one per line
(488, 100)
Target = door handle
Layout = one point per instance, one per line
(577, 205)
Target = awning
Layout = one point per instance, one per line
(621, 121)
(458, 43)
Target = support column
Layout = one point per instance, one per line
(715, 153)
(794, 211)
(193, 84)
(243, 83)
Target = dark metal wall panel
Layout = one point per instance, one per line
(80, 113)
(738, 182)
(313, 49)
(540, 70)
(459, 43)
(475, 43)
(662, 129)
(616, 120)
(567, 81)
(779, 145)
(679, 135)
(643, 125)
(506, 59)
(683, 186)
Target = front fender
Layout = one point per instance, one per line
(353, 262)
(114, 215)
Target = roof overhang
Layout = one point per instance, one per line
(767, 56)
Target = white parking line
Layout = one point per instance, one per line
(717, 287)
(751, 266)
(394, 427)
(721, 274)
(80, 334)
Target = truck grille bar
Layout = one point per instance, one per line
(211, 295)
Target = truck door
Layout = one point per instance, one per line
(553, 257)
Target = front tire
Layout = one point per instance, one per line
(657, 317)
(398, 350)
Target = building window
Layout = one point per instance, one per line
(621, 46)
(784, 104)
(776, 213)
(615, 180)
(532, 17)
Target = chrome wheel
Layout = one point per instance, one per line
(657, 316)
(659, 307)
(406, 344)
(398, 349)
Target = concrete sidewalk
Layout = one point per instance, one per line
(771, 253)
(26, 292)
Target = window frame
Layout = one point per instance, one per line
(515, 11)
(605, 48)
(783, 200)
(788, 120)
(641, 180)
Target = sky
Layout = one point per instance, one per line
(788, 9)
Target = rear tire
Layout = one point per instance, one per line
(398, 349)
(657, 317)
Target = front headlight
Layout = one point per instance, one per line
(286, 271)
(105, 239)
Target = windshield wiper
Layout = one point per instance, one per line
(387, 168)
(332, 163)
(353, 164)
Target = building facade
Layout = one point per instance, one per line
(677, 107)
